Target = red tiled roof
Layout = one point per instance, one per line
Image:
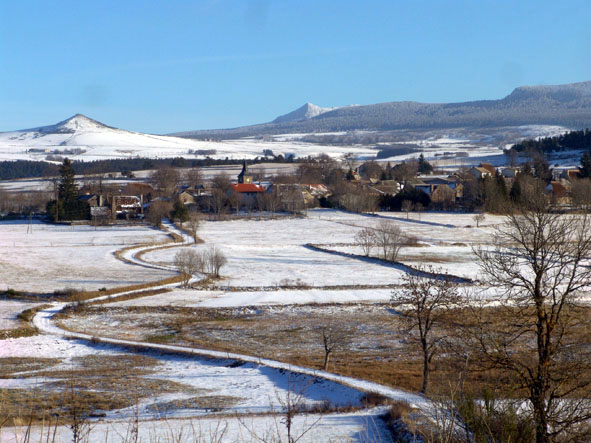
(247, 187)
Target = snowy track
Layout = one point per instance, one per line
(43, 321)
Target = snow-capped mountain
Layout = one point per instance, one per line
(82, 138)
(304, 112)
(72, 125)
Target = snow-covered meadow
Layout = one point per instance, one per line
(45, 258)
(269, 264)
(273, 253)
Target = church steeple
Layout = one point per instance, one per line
(243, 177)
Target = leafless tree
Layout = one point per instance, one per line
(334, 336)
(479, 218)
(193, 177)
(268, 201)
(193, 223)
(235, 201)
(188, 262)
(214, 260)
(366, 239)
(389, 239)
(158, 210)
(406, 206)
(165, 180)
(419, 208)
(540, 262)
(217, 201)
(581, 194)
(221, 182)
(425, 302)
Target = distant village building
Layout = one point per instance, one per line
(479, 172)
(510, 172)
(244, 177)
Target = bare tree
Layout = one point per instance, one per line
(366, 239)
(540, 263)
(334, 336)
(406, 206)
(268, 201)
(214, 260)
(221, 182)
(235, 201)
(193, 177)
(188, 262)
(165, 180)
(217, 201)
(581, 194)
(389, 239)
(478, 218)
(425, 302)
(158, 210)
(193, 223)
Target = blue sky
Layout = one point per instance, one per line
(165, 66)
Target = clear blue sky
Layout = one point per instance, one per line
(165, 66)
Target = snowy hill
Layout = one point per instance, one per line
(305, 112)
(82, 138)
(72, 125)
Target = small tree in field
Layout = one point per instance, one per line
(478, 218)
(389, 239)
(334, 336)
(406, 206)
(188, 262)
(214, 259)
(425, 302)
(366, 239)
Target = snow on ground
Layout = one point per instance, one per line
(273, 252)
(100, 143)
(257, 388)
(353, 427)
(223, 299)
(9, 309)
(267, 253)
(54, 257)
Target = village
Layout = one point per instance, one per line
(368, 187)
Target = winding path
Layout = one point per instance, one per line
(43, 320)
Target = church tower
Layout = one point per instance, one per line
(243, 177)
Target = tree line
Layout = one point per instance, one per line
(10, 170)
(580, 140)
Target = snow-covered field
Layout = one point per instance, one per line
(223, 299)
(365, 427)
(255, 388)
(262, 254)
(9, 309)
(273, 252)
(54, 257)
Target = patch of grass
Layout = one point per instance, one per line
(95, 383)
(208, 403)
(87, 295)
(24, 331)
(15, 365)
(131, 296)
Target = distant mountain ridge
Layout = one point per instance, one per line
(566, 105)
(305, 112)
